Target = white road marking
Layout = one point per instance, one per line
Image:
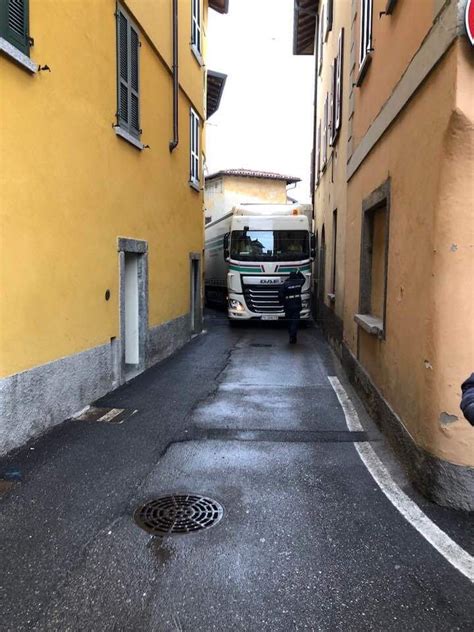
(113, 412)
(452, 552)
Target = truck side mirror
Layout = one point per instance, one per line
(313, 246)
(226, 247)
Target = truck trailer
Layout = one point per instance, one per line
(249, 253)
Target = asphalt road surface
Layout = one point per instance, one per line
(307, 539)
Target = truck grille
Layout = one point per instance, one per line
(262, 299)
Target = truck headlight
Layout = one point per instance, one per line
(237, 305)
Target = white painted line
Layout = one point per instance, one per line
(350, 413)
(113, 412)
(452, 552)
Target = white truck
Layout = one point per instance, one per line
(249, 253)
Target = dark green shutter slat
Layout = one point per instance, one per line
(123, 47)
(135, 118)
(122, 59)
(134, 59)
(123, 103)
(16, 18)
(14, 24)
(134, 96)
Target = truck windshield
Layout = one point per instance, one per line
(269, 245)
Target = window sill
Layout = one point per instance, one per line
(197, 55)
(363, 68)
(128, 137)
(194, 185)
(17, 56)
(371, 324)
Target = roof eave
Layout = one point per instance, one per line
(221, 6)
(218, 79)
(258, 175)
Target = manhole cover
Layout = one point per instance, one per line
(181, 513)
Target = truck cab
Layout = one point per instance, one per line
(261, 249)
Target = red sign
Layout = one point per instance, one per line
(469, 17)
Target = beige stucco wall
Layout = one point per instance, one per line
(429, 345)
(331, 192)
(395, 40)
(221, 194)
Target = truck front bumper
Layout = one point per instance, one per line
(238, 310)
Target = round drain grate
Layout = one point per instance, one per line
(181, 513)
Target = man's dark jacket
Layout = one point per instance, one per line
(467, 401)
(290, 292)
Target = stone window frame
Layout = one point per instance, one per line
(134, 246)
(378, 199)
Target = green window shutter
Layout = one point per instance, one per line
(14, 23)
(128, 97)
(122, 70)
(134, 78)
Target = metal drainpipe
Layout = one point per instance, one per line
(314, 167)
(174, 143)
(315, 117)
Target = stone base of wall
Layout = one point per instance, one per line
(34, 401)
(445, 483)
(166, 338)
(331, 325)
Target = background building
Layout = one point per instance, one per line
(101, 206)
(230, 187)
(398, 265)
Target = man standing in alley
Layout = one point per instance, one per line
(290, 296)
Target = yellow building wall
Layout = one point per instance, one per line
(70, 186)
(429, 347)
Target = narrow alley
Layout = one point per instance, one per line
(307, 539)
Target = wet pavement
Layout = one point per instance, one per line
(307, 542)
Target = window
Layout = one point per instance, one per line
(324, 149)
(322, 266)
(328, 24)
(332, 295)
(338, 86)
(374, 261)
(331, 104)
(336, 100)
(14, 24)
(321, 38)
(269, 245)
(318, 156)
(128, 99)
(196, 26)
(194, 149)
(365, 31)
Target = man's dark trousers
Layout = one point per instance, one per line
(293, 319)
